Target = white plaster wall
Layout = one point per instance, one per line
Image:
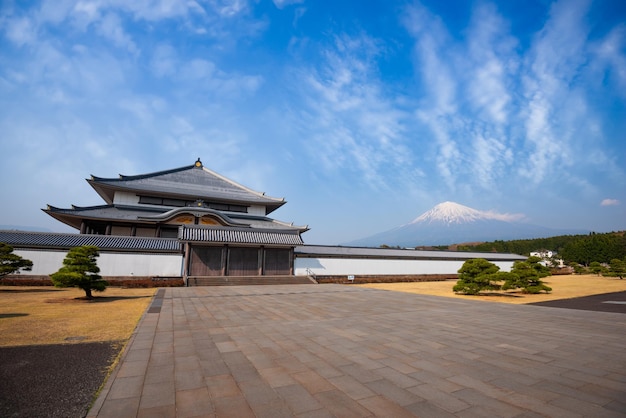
(44, 262)
(345, 266)
(125, 198)
(116, 264)
(128, 264)
(111, 264)
(256, 210)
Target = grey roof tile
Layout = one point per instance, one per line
(237, 235)
(151, 214)
(364, 252)
(107, 211)
(23, 239)
(192, 182)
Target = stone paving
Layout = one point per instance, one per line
(345, 351)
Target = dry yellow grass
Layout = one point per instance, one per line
(563, 287)
(46, 315)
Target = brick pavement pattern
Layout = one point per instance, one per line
(345, 351)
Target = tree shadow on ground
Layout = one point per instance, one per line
(29, 290)
(12, 315)
(95, 299)
(496, 294)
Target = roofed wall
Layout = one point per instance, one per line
(112, 264)
(321, 266)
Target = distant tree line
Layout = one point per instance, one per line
(581, 249)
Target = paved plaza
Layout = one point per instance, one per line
(346, 351)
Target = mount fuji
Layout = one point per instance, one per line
(451, 223)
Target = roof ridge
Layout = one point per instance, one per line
(74, 207)
(123, 177)
(246, 188)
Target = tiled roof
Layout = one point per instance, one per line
(263, 222)
(21, 239)
(236, 235)
(73, 216)
(363, 252)
(108, 211)
(193, 182)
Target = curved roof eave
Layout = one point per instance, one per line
(288, 225)
(194, 211)
(70, 220)
(301, 228)
(74, 216)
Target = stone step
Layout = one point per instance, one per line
(247, 280)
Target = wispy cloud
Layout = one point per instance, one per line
(491, 65)
(609, 202)
(611, 59)
(111, 28)
(281, 4)
(439, 108)
(490, 73)
(467, 105)
(84, 91)
(549, 73)
(355, 126)
(508, 217)
(497, 112)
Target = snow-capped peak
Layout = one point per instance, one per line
(454, 213)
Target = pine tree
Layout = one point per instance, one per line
(477, 275)
(11, 263)
(527, 275)
(80, 269)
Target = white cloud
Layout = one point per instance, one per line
(508, 217)
(111, 28)
(281, 4)
(21, 31)
(83, 14)
(492, 60)
(354, 125)
(490, 154)
(439, 108)
(229, 8)
(611, 59)
(197, 69)
(609, 202)
(554, 62)
(164, 61)
(500, 114)
(490, 69)
(200, 74)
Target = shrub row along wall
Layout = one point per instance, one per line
(117, 281)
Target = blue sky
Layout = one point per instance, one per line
(363, 115)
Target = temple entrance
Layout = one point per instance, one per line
(239, 261)
(277, 261)
(243, 262)
(207, 261)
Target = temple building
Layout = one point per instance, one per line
(193, 224)
(223, 226)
